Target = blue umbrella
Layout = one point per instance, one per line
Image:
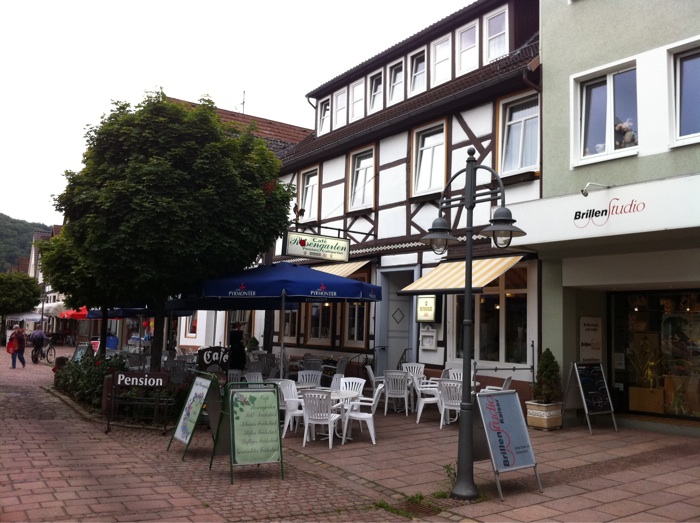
(277, 286)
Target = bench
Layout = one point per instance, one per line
(152, 406)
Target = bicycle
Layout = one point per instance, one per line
(48, 353)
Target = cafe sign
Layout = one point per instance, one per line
(316, 247)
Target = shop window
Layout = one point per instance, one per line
(356, 324)
(320, 322)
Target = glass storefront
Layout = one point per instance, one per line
(655, 341)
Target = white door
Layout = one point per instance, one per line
(395, 329)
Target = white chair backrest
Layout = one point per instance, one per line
(310, 376)
(353, 384)
(370, 374)
(312, 364)
(335, 383)
(377, 393)
(413, 368)
(506, 383)
(342, 363)
(395, 381)
(288, 389)
(253, 377)
(456, 374)
(317, 405)
(234, 375)
(450, 391)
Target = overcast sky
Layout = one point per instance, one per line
(65, 61)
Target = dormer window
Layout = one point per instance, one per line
(357, 100)
(340, 110)
(495, 34)
(467, 49)
(417, 73)
(441, 61)
(396, 90)
(324, 113)
(376, 92)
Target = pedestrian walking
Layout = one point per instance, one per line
(18, 354)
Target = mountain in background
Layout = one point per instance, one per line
(16, 240)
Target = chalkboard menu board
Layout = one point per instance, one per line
(506, 433)
(594, 390)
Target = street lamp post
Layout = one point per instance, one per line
(439, 238)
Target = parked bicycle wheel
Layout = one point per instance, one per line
(50, 354)
(36, 354)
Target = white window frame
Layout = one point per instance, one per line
(679, 55)
(417, 80)
(437, 178)
(507, 124)
(375, 96)
(325, 334)
(367, 175)
(396, 91)
(309, 202)
(441, 66)
(488, 37)
(340, 108)
(360, 309)
(323, 123)
(578, 122)
(356, 104)
(470, 55)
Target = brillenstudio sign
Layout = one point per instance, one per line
(316, 247)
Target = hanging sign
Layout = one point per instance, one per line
(316, 247)
(428, 309)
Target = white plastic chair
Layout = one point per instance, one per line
(254, 378)
(395, 387)
(310, 376)
(426, 393)
(234, 376)
(335, 383)
(505, 386)
(355, 412)
(417, 369)
(450, 399)
(374, 380)
(318, 410)
(455, 374)
(311, 364)
(293, 406)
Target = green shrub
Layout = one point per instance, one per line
(547, 388)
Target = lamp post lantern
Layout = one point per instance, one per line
(439, 238)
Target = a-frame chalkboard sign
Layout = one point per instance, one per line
(594, 390)
(249, 426)
(204, 391)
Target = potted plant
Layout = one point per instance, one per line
(253, 343)
(544, 410)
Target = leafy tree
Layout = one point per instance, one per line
(168, 196)
(16, 240)
(19, 292)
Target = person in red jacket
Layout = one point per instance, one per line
(18, 336)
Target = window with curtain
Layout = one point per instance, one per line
(376, 92)
(496, 35)
(417, 73)
(467, 49)
(521, 136)
(357, 100)
(396, 90)
(441, 61)
(340, 110)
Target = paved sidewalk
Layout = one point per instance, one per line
(57, 464)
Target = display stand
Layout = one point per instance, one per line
(594, 390)
(204, 391)
(506, 434)
(249, 426)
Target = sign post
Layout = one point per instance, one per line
(506, 433)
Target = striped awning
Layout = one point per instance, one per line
(448, 278)
(341, 269)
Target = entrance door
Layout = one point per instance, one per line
(395, 328)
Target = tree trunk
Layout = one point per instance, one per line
(102, 351)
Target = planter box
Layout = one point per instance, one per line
(543, 416)
(644, 399)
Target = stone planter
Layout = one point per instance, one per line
(645, 399)
(543, 416)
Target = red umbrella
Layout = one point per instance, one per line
(72, 314)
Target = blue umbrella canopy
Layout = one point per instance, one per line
(285, 282)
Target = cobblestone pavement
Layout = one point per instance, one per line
(57, 464)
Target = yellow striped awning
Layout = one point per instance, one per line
(448, 278)
(341, 269)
